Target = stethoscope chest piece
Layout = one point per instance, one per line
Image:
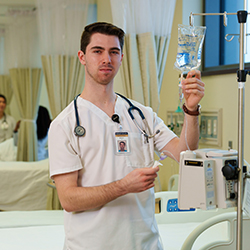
(4, 125)
(79, 130)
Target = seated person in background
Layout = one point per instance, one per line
(8, 125)
(8, 148)
(43, 122)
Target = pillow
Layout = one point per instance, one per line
(8, 151)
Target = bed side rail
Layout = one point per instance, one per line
(170, 213)
(230, 243)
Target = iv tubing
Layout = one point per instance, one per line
(185, 141)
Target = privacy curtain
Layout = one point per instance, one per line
(27, 87)
(2, 67)
(6, 90)
(148, 25)
(61, 23)
(24, 64)
(5, 84)
(64, 78)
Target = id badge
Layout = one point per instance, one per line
(122, 142)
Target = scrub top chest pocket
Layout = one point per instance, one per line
(141, 153)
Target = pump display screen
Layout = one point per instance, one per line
(193, 163)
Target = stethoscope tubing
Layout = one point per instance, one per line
(133, 107)
(130, 109)
(76, 112)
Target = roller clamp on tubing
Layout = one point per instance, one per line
(189, 112)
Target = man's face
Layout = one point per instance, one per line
(2, 104)
(102, 58)
(122, 146)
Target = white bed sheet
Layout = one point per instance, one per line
(51, 237)
(32, 230)
(44, 230)
(12, 219)
(174, 235)
(32, 238)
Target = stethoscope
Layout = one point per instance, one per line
(80, 130)
(4, 124)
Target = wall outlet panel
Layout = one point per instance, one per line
(211, 127)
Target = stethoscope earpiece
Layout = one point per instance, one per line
(157, 132)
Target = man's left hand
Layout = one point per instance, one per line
(193, 89)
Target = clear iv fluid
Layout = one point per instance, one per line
(190, 40)
(188, 60)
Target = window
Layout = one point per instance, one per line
(220, 54)
(92, 13)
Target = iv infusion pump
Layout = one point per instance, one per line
(208, 179)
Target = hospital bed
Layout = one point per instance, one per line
(24, 185)
(179, 230)
(197, 229)
(27, 186)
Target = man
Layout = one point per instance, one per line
(107, 195)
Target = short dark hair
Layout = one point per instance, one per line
(103, 28)
(5, 100)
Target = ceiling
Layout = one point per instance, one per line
(6, 5)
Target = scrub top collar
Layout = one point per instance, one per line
(98, 111)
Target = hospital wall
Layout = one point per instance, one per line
(221, 90)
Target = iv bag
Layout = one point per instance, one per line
(190, 41)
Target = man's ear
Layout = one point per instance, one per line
(121, 58)
(81, 57)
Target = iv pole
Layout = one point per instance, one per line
(241, 74)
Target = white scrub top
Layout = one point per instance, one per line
(7, 126)
(127, 222)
